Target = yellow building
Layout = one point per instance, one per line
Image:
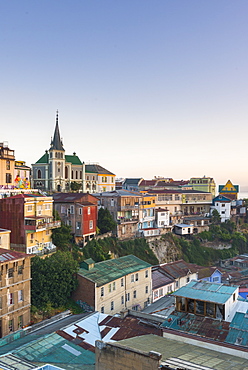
(7, 166)
(229, 190)
(30, 219)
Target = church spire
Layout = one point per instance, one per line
(56, 143)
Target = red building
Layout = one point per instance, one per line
(78, 210)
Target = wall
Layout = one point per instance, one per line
(115, 356)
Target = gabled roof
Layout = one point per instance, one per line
(73, 159)
(96, 168)
(110, 270)
(160, 278)
(178, 269)
(221, 199)
(132, 181)
(228, 187)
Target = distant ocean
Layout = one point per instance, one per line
(243, 193)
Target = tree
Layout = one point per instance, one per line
(105, 221)
(75, 186)
(215, 217)
(53, 280)
(62, 237)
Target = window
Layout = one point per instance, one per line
(78, 225)
(20, 270)
(122, 299)
(102, 309)
(122, 282)
(11, 325)
(76, 174)
(80, 174)
(10, 273)
(102, 291)
(72, 210)
(161, 292)
(216, 278)
(223, 205)
(132, 278)
(72, 174)
(91, 224)
(7, 165)
(222, 212)
(1, 303)
(177, 284)
(146, 274)
(114, 285)
(134, 294)
(8, 178)
(109, 288)
(146, 289)
(80, 211)
(127, 297)
(88, 210)
(39, 174)
(10, 299)
(188, 279)
(112, 305)
(20, 295)
(136, 277)
(155, 294)
(234, 297)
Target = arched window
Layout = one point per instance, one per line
(66, 172)
(76, 174)
(39, 174)
(80, 174)
(72, 174)
(56, 155)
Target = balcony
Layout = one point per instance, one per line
(38, 224)
(123, 220)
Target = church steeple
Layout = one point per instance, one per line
(56, 143)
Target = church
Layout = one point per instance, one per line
(56, 171)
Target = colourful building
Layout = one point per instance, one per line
(30, 219)
(229, 190)
(79, 211)
(7, 165)
(206, 184)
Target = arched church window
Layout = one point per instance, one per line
(72, 174)
(39, 174)
(56, 155)
(76, 174)
(80, 174)
(66, 172)
(51, 154)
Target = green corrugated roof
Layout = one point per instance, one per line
(113, 269)
(43, 159)
(205, 291)
(73, 159)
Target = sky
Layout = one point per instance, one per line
(144, 88)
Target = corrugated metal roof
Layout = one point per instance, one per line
(113, 269)
(205, 291)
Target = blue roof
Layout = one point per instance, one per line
(205, 291)
(221, 198)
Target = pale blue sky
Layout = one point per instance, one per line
(143, 87)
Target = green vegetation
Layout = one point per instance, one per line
(75, 186)
(195, 251)
(53, 281)
(99, 250)
(105, 221)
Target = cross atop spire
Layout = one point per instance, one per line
(56, 143)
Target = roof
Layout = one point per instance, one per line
(221, 198)
(178, 269)
(119, 193)
(98, 326)
(159, 278)
(73, 159)
(162, 307)
(185, 354)
(74, 197)
(110, 270)
(96, 168)
(7, 255)
(205, 291)
(181, 226)
(43, 159)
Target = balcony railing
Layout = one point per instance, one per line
(123, 220)
(36, 225)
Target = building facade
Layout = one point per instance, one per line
(229, 190)
(30, 219)
(206, 184)
(113, 285)
(15, 300)
(79, 211)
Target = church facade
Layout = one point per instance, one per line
(56, 171)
